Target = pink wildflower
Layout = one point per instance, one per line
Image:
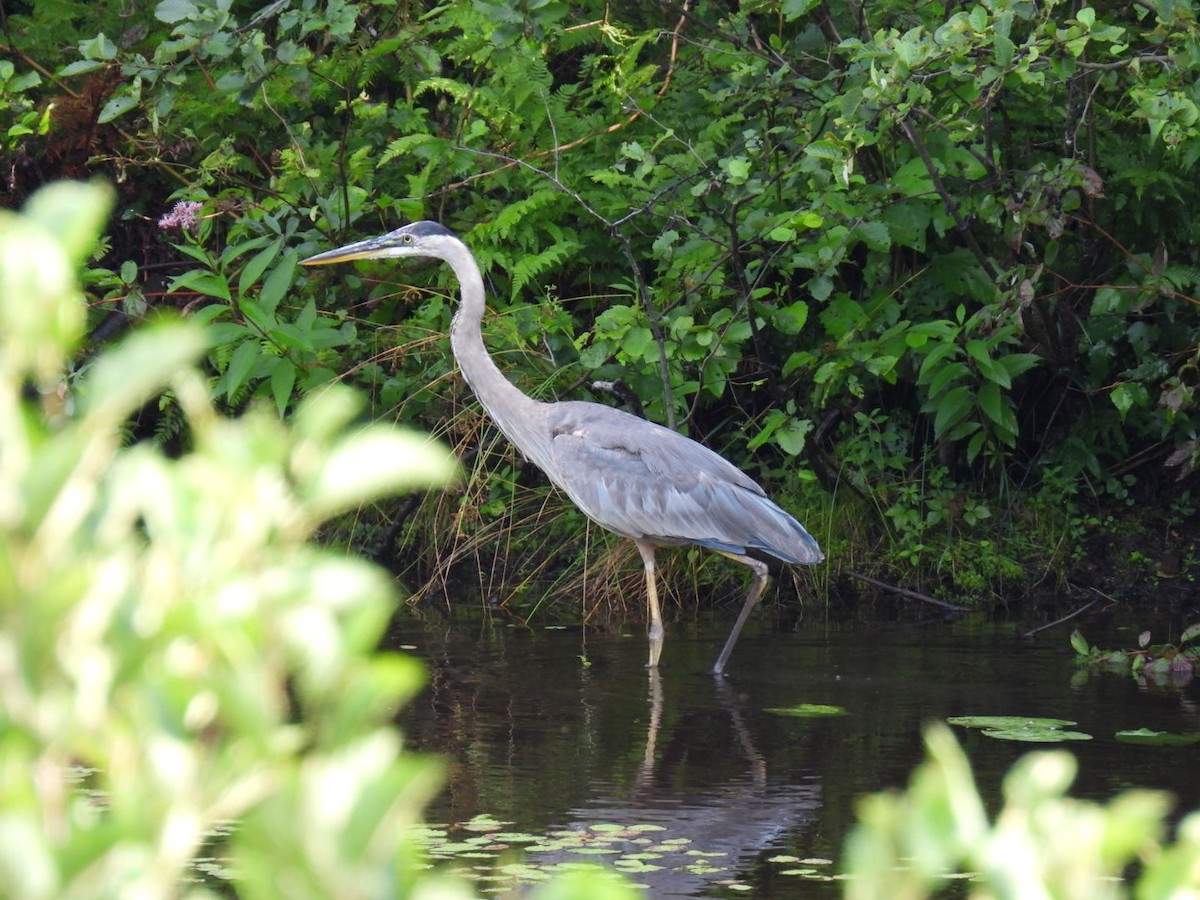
(182, 215)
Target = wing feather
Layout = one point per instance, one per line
(644, 481)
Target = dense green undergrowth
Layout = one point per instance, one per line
(930, 275)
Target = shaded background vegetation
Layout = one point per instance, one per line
(928, 272)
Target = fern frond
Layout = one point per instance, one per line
(411, 143)
(529, 268)
(1182, 276)
(513, 214)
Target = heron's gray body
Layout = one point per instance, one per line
(647, 482)
(631, 476)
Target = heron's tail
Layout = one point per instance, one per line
(790, 541)
(751, 521)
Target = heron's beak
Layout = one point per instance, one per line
(371, 248)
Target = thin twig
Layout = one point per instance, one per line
(905, 592)
(1065, 618)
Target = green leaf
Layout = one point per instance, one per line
(875, 235)
(292, 337)
(116, 107)
(283, 379)
(794, 9)
(882, 364)
(991, 401)
(952, 408)
(79, 67)
(253, 270)
(172, 11)
(1079, 643)
(1111, 301)
(975, 445)
(211, 284)
(245, 358)
(737, 168)
(933, 359)
(278, 282)
(1016, 363)
(793, 436)
(1034, 735)
(996, 373)
(912, 179)
(100, 47)
(199, 254)
(773, 421)
(979, 352)
(791, 319)
(1126, 396)
(1005, 49)
(375, 461)
(256, 315)
(1009, 722)
(638, 344)
(908, 222)
(834, 151)
(947, 375)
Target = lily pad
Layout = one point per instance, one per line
(1022, 728)
(1036, 735)
(1157, 738)
(807, 710)
(483, 823)
(1000, 722)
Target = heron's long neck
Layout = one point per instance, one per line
(516, 414)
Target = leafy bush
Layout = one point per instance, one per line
(1041, 844)
(175, 655)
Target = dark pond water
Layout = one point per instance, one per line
(562, 735)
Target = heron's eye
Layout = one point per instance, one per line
(407, 238)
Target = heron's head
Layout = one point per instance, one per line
(417, 239)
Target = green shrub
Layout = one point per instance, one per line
(1042, 843)
(175, 655)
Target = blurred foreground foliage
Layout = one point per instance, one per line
(187, 682)
(910, 845)
(928, 272)
(175, 656)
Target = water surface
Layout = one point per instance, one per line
(558, 731)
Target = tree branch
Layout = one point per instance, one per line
(960, 224)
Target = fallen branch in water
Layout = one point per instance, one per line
(905, 592)
(1065, 618)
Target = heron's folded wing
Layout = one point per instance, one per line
(645, 481)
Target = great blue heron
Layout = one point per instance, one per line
(631, 476)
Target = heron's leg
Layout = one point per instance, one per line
(759, 569)
(656, 624)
